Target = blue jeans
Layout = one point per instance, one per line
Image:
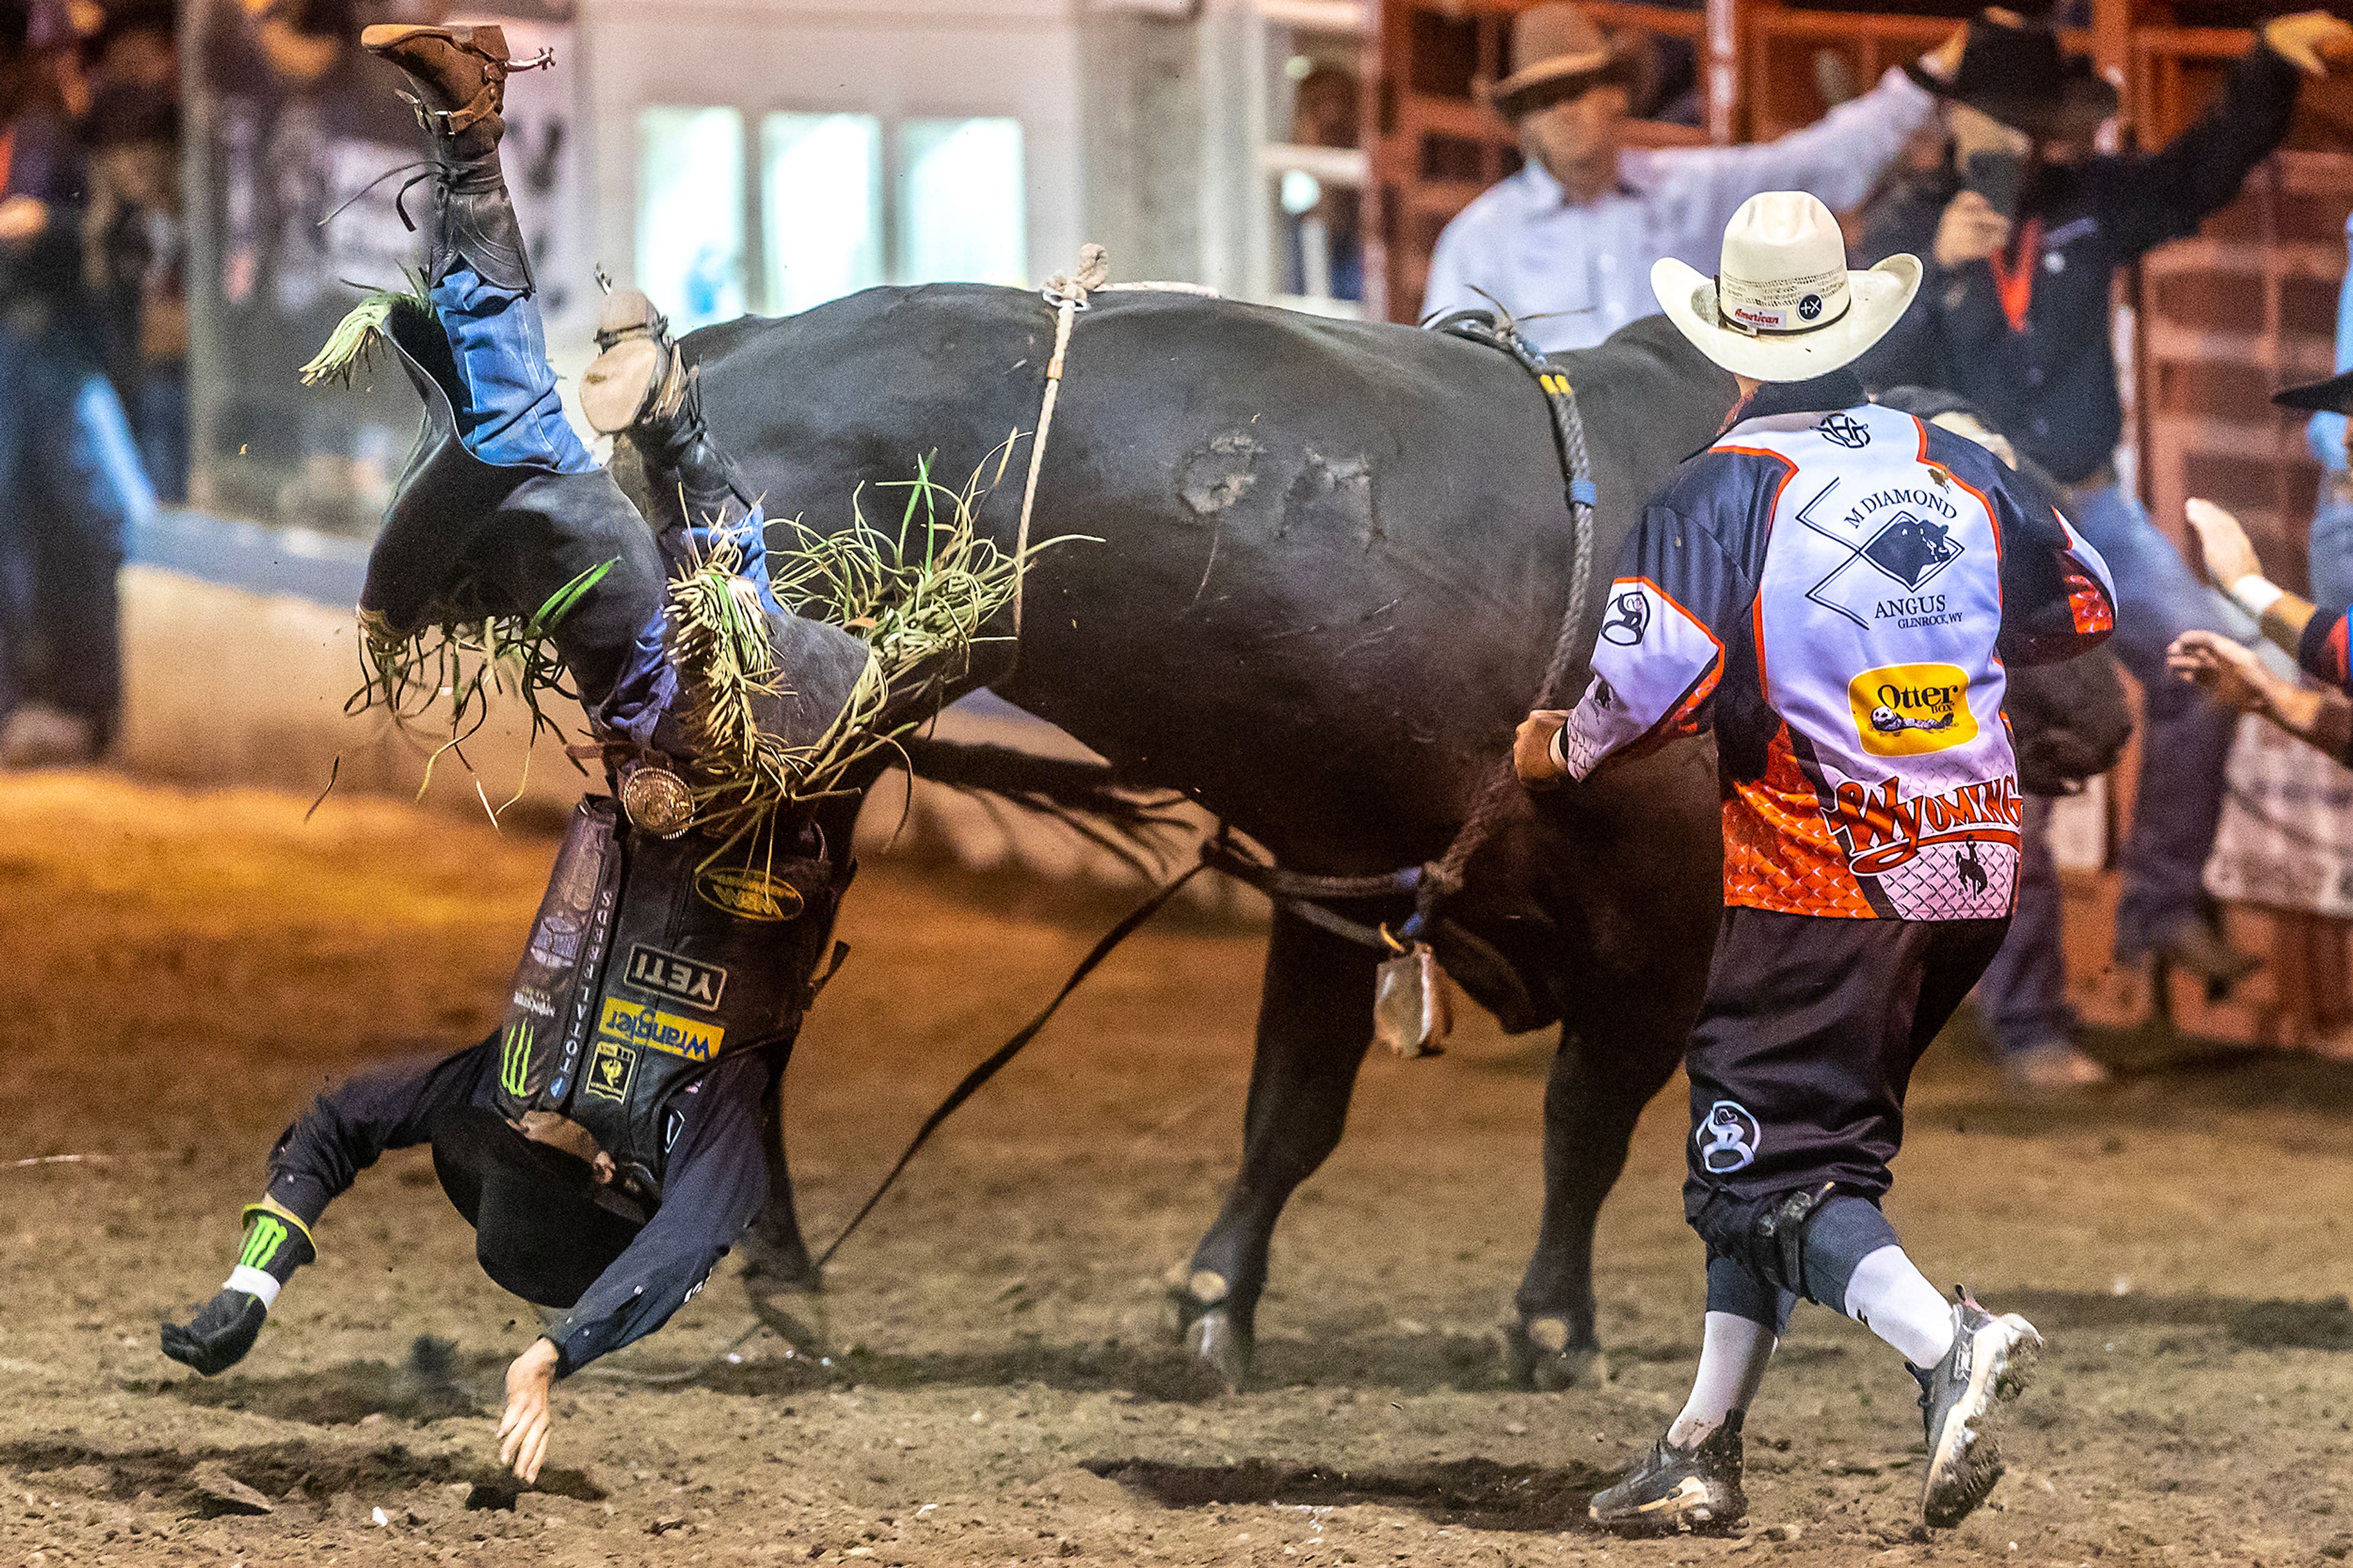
(508, 410)
(2185, 741)
(71, 487)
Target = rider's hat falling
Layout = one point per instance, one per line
(1783, 305)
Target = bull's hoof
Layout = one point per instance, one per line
(1218, 1335)
(784, 1289)
(1548, 1354)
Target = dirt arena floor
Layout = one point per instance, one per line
(181, 970)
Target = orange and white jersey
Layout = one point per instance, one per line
(1835, 593)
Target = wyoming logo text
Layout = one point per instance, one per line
(1882, 833)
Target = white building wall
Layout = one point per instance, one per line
(895, 58)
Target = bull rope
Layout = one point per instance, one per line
(1067, 292)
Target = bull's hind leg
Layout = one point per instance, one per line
(1315, 1022)
(1605, 1072)
(779, 1275)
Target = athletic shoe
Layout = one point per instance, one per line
(1987, 1365)
(1676, 1489)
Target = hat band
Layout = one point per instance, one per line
(1788, 308)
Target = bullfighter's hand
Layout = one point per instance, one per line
(1531, 749)
(2310, 40)
(524, 1429)
(2233, 675)
(2229, 554)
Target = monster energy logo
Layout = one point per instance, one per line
(514, 1060)
(263, 1237)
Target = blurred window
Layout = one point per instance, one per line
(820, 207)
(962, 215)
(691, 213)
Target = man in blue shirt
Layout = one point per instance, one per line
(1566, 245)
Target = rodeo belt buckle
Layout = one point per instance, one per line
(658, 802)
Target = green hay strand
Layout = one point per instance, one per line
(353, 345)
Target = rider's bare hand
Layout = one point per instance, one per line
(524, 1429)
(1531, 749)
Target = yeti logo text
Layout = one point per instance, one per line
(1728, 1139)
(681, 979)
(1904, 710)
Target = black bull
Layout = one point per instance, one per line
(1334, 559)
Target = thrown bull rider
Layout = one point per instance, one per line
(606, 1143)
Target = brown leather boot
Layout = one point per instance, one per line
(459, 74)
(638, 385)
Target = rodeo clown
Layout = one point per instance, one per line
(605, 1141)
(1833, 588)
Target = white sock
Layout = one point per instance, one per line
(1733, 1354)
(1895, 1300)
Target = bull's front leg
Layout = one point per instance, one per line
(1316, 1020)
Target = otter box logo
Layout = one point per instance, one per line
(1904, 710)
(640, 1025)
(1728, 1139)
(749, 893)
(610, 1070)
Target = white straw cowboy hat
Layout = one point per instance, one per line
(1783, 306)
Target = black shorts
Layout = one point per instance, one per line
(1807, 1042)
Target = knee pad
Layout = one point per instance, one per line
(1765, 1234)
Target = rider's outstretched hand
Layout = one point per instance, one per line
(220, 1333)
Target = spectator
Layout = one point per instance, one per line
(133, 249)
(71, 484)
(1566, 245)
(2023, 230)
(2332, 522)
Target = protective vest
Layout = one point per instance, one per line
(644, 967)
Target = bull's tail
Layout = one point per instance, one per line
(1089, 798)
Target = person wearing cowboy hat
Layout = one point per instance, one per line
(2022, 229)
(1834, 588)
(1566, 243)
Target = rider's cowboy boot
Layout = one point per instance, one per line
(640, 384)
(460, 76)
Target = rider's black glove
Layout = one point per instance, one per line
(276, 1244)
(220, 1333)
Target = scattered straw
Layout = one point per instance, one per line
(351, 346)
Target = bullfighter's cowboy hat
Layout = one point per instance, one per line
(2017, 73)
(1783, 305)
(1557, 52)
